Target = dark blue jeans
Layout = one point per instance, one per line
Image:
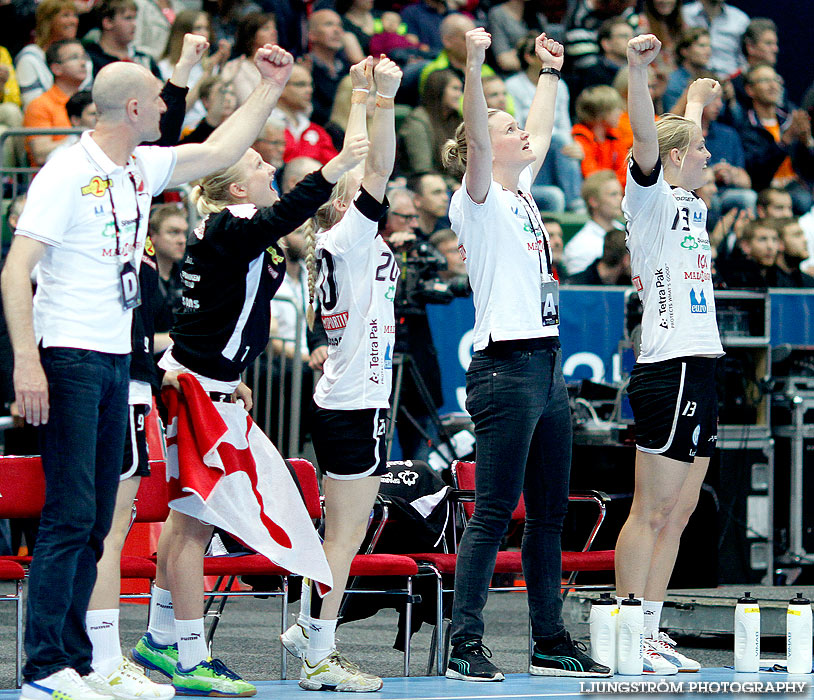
(519, 405)
(82, 446)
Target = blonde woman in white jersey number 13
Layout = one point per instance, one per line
(672, 386)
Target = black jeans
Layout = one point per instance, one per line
(519, 404)
(82, 447)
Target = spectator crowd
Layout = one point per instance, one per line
(761, 144)
(758, 186)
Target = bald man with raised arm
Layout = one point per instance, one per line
(83, 228)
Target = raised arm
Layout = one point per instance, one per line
(699, 95)
(540, 122)
(231, 139)
(361, 80)
(476, 121)
(641, 51)
(193, 49)
(382, 155)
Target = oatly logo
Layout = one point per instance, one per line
(335, 322)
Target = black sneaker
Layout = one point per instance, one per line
(566, 658)
(469, 661)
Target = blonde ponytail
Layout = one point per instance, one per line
(309, 237)
(453, 152)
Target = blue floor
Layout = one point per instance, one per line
(519, 685)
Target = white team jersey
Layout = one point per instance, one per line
(78, 300)
(501, 242)
(356, 285)
(670, 265)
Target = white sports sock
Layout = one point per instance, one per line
(103, 629)
(305, 598)
(191, 643)
(162, 618)
(652, 617)
(321, 640)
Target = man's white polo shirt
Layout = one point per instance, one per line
(78, 299)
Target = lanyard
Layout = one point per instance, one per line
(116, 219)
(537, 229)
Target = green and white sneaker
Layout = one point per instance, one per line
(335, 672)
(128, 682)
(156, 657)
(211, 678)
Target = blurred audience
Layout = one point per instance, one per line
(67, 61)
(117, 24)
(427, 128)
(596, 131)
(302, 136)
(603, 197)
(328, 61)
(613, 267)
(726, 25)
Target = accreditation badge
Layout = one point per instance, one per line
(550, 301)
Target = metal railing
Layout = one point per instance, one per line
(19, 177)
(270, 379)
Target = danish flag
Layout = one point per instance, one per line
(223, 470)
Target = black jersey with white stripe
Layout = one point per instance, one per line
(142, 364)
(232, 269)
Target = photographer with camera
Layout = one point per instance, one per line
(420, 283)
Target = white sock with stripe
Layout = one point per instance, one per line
(192, 647)
(162, 617)
(103, 630)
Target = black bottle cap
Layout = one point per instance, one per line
(747, 598)
(631, 600)
(604, 599)
(799, 600)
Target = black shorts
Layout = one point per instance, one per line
(350, 444)
(675, 406)
(136, 461)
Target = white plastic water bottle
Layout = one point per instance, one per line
(798, 635)
(630, 638)
(602, 621)
(747, 635)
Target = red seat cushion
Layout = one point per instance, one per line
(510, 562)
(600, 560)
(383, 565)
(21, 560)
(138, 567)
(11, 571)
(445, 563)
(243, 565)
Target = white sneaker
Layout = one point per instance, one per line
(65, 684)
(655, 663)
(666, 648)
(295, 640)
(336, 673)
(128, 682)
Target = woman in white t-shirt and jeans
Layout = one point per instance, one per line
(672, 386)
(516, 393)
(354, 273)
